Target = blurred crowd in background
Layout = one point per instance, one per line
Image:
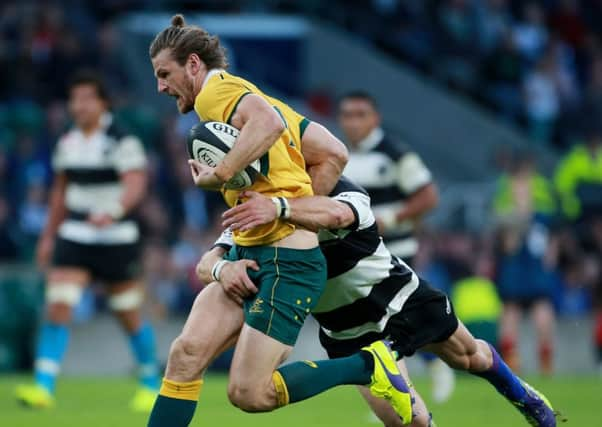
(537, 64)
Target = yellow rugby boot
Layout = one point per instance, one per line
(144, 400)
(387, 381)
(34, 396)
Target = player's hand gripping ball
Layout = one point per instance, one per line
(209, 142)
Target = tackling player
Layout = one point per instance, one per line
(189, 65)
(370, 297)
(100, 178)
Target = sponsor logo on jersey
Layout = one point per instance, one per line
(257, 306)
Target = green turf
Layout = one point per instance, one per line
(103, 402)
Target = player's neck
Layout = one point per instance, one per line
(370, 141)
(201, 80)
(198, 83)
(88, 129)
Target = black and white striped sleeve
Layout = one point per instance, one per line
(130, 154)
(59, 156)
(360, 205)
(225, 240)
(412, 173)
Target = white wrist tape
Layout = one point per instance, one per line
(286, 212)
(278, 205)
(283, 208)
(217, 269)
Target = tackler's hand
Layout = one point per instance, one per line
(235, 280)
(255, 210)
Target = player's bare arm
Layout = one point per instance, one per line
(420, 203)
(313, 213)
(56, 215)
(260, 127)
(134, 188)
(325, 157)
(231, 275)
(206, 263)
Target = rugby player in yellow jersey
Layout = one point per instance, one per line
(285, 264)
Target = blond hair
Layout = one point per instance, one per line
(184, 40)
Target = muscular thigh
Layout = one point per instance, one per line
(215, 320)
(256, 357)
(212, 326)
(68, 275)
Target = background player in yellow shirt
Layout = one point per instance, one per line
(288, 267)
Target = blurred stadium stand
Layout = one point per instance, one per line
(448, 81)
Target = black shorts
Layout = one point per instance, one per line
(107, 263)
(427, 317)
(526, 303)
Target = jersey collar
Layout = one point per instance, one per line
(106, 120)
(210, 74)
(371, 140)
(103, 124)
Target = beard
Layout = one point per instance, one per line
(184, 106)
(186, 103)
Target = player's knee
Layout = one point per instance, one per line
(463, 363)
(60, 300)
(245, 398)
(187, 357)
(59, 313)
(126, 301)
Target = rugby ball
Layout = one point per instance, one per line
(208, 142)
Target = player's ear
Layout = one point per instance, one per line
(377, 118)
(194, 64)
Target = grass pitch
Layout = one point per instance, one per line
(96, 402)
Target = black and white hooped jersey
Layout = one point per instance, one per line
(366, 285)
(390, 172)
(93, 165)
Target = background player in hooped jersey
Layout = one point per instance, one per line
(100, 178)
(372, 294)
(288, 265)
(401, 189)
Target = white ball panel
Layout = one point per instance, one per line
(211, 156)
(224, 132)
